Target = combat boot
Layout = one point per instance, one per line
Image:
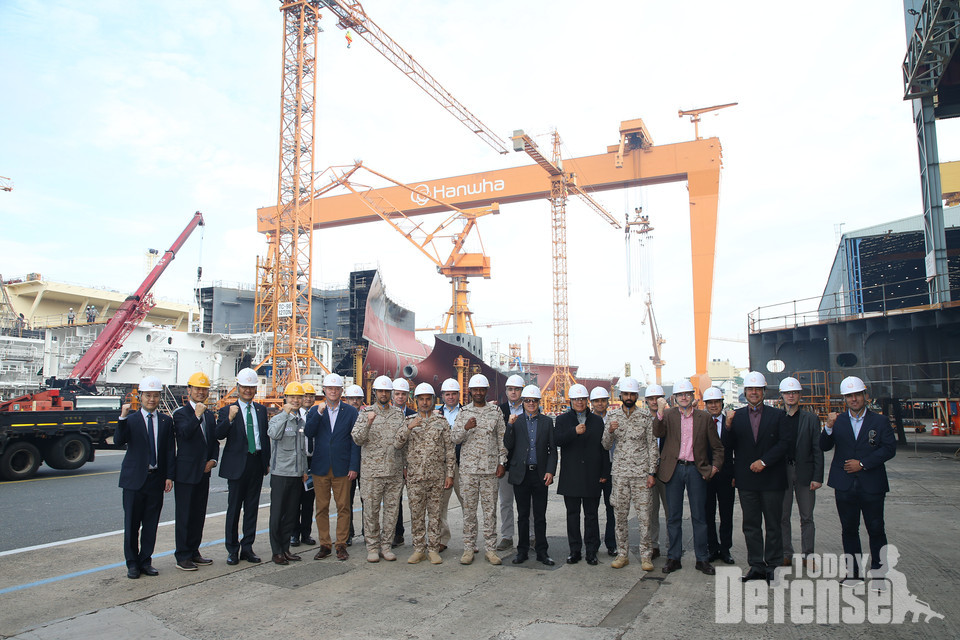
(493, 558)
(388, 555)
(620, 562)
(373, 556)
(435, 557)
(646, 564)
(416, 557)
(467, 557)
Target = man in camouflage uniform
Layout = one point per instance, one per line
(381, 466)
(430, 464)
(479, 428)
(635, 461)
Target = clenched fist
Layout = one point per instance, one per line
(200, 408)
(513, 419)
(471, 423)
(614, 425)
(371, 416)
(125, 410)
(831, 418)
(729, 421)
(234, 410)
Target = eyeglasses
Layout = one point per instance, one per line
(531, 400)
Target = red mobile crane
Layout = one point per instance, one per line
(46, 427)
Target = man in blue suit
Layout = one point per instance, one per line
(146, 473)
(245, 461)
(335, 464)
(864, 441)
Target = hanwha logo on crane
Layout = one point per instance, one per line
(445, 192)
(417, 194)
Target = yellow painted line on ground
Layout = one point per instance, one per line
(74, 423)
(46, 424)
(82, 475)
(24, 424)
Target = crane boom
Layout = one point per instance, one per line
(130, 314)
(352, 16)
(656, 338)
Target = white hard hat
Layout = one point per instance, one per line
(599, 393)
(479, 381)
(851, 384)
(515, 381)
(790, 384)
(424, 388)
(653, 391)
(450, 385)
(151, 383)
(353, 391)
(712, 394)
(577, 391)
(332, 380)
(683, 386)
(401, 385)
(383, 383)
(247, 378)
(531, 391)
(629, 385)
(754, 379)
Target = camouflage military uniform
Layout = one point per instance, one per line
(480, 454)
(636, 457)
(430, 460)
(381, 466)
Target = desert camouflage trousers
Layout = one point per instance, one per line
(424, 497)
(483, 489)
(375, 491)
(625, 491)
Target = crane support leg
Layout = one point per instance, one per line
(704, 187)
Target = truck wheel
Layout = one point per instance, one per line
(20, 461)
(68, 452)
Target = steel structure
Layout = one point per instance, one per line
(130, 314)
(696, 162)
(284, 277)
(931, 45)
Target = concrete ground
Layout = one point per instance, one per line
(80, 590)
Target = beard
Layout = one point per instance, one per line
(629, 404)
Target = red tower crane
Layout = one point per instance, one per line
(130, 314)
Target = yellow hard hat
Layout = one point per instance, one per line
(308, 388)
(199, 379)
(293, 389)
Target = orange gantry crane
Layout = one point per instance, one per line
(641, 163)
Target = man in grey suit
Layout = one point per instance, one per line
(804, 471)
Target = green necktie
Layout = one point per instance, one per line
(251, 443)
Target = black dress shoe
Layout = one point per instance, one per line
(294, 541)
(520, 558)
(397, 542)
(612, 552)
(714, 556)
(199, 559)
(307, 540)
(186, 565)
(705, 567)
(592, 558)
(292, 557)
(349, 541)
(655, 554)
(249, 556)
(574, 558)
(671, 566)
(279, 558)
(148, 570)
(232, 559)
(133, 573)
(726, 557)
(753, 574)
(545, 559)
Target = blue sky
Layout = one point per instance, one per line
(120, 119)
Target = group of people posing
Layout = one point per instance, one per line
(643, 453)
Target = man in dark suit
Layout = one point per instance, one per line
(511, 407)
(336, 464)
(531, 464)
(760, 439)
(690, 456)
(720, 490)
(584, 473)
(804, 472)
(246, 460)
(197, 452)
(599, 401)
(146, 473)
(864, 441)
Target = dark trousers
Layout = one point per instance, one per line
(591, 524)
(353, 493)
(720, 496)
(307, 498)
(762, 509)
(141, 515)
(191, 511)
(686, 476)
(531, 489)
(610, 529)
(285, 493)
(398, 530)
(244, 493)
(850, 505)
